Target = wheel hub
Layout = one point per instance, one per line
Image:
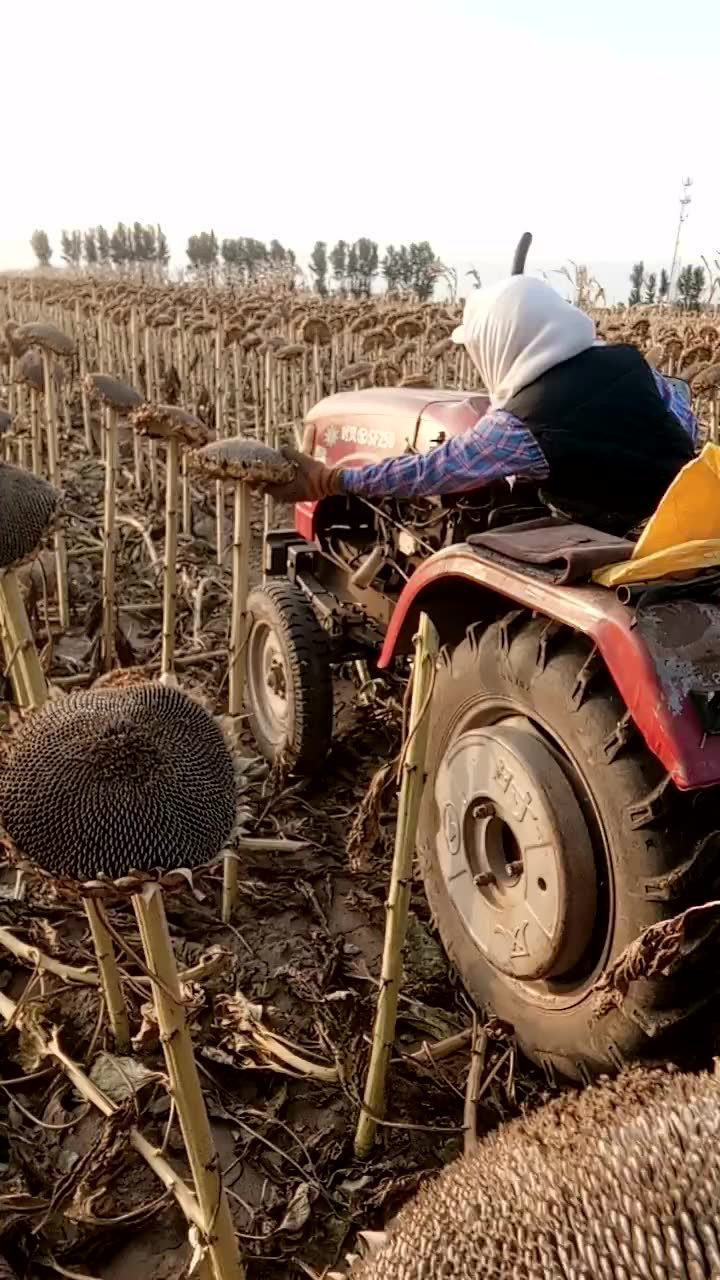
(267, 681)
(515, 850)
(275, 674)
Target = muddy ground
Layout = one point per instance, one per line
(301, 960)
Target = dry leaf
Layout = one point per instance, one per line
(31, 1056)
(299, 1208)
(149, 1033)
(199, 1252)
(120, 1078)
(21, 1202)
(241, 1019)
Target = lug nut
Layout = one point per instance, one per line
(515, 868)
(482, 809)
(485, 878)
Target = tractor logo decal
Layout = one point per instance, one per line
(370, 437)
(517, 937)
(452, 829)
(518, 803)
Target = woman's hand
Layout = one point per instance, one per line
(311, 482)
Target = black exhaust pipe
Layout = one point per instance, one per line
(521, 253)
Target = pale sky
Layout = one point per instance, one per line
(463, 122)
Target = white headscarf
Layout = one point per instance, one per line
(518, 329)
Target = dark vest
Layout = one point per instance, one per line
(610, 443)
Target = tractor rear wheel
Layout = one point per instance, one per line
(288, 680)
(545, 848)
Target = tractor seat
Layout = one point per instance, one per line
(558, 549)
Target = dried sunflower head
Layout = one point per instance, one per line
(408, 327)
(30, 370)
(378, 337)
(113, 780)
(169, 422)
(112, 392)
(238, 458)
(290, 351)
(46, 336)
(707, 379)
(356, 372)
(29, 508)
(621, 1179)
(315, 329)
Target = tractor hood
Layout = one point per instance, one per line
(355, 427)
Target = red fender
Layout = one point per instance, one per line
(656, 692)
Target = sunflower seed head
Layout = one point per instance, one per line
(315, 330)
(113, 780)
(238, 458)
(621, 1179)
(46, 336)
(112, 392)
(169, 421)
(29, 507)
(30, 370)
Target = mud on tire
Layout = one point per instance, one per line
(289, 684)
(653, 850)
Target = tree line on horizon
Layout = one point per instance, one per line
(132, 246)
(648, 287)
(352, 267)
(348, 269)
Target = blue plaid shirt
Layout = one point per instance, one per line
(497, 446)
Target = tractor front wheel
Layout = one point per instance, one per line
(289, 685)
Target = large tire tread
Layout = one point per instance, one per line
(662, 846)
(307, 654)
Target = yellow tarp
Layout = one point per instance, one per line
(684, 532)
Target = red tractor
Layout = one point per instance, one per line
(574, 745)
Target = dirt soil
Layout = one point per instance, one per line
(301, 960)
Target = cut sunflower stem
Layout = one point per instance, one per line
(108, 577)
(411, 788)
(230, 886)
(263, 844)
(222, 1244)
(37, 959)
(135, 376)
(51, 424)
(24, 667)
(10, 653)
(109, 977)
(172, 460)
(240, 588)
(35, 433)
(268, 503)
(432, 1051)
(219, 487)
(238, 650)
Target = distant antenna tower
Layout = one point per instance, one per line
(685, 199)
